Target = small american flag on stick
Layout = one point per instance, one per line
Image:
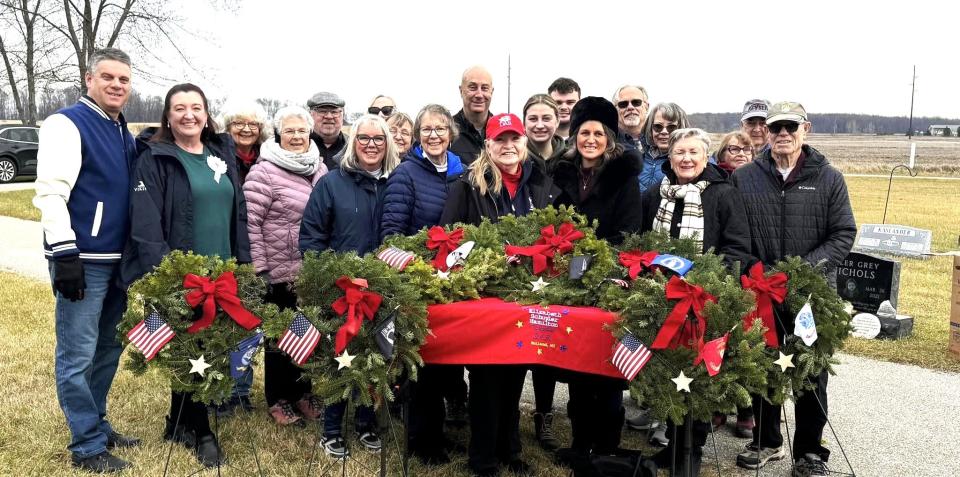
(630, 356)
(150, 335)
(300, 339)
(396, 257)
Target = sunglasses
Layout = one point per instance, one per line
(636, 103)
(658, 128)
(778, 126)
(386, 110)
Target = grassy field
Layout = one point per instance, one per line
(17, 204)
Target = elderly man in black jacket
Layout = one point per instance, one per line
(797, 205)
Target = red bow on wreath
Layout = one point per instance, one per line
(223, 292)
(767, 290)
(437, 238)
(636, 261)
(357, 304)
(548, 245)
(675, 329)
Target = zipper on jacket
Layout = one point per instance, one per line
(783, 221)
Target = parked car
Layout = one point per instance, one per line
(18, 151)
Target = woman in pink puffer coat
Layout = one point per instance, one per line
(277, 188)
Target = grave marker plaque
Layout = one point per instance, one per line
(866, 281)
(894, 239)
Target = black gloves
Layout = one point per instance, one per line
(68, 277)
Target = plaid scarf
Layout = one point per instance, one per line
(691, 222)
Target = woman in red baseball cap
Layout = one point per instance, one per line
(500, 182)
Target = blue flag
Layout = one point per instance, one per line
(240, 359)
(679, 265)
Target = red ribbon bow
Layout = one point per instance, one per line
(675, 329)
(437, 238)
(355, 300)
(223, 292)
(636, 261)
(548, 245)
(767, 290)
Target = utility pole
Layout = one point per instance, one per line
(913, 89)
(508, 82)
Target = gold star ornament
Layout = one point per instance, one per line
(539, 285)
(198, 366)
(345, 360)
(682, 382)
(784, 361)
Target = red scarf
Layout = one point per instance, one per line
(512, 181)
(248, 158)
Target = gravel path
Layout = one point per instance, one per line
(892, 419)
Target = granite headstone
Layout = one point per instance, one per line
(894, 239)
(866, 281)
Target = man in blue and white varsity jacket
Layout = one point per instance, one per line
(84, 166)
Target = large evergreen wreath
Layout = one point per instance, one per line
(163, 291)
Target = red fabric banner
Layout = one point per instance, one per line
(223, 292)
(492, 331)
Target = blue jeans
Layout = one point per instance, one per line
(333, 419)
(86, 359)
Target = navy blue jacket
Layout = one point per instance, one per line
(161, 207)
(417, 193)
(343, 213)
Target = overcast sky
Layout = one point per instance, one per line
(833, 56)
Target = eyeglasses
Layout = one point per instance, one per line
(295, 132)
(386, 110)
(327, 112)
(737, 150)
(441, 131)
(658, 128)
(402, 132)
(251, 126)
(790, 126)
(636, 103)
(364, 140)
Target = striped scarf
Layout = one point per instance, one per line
(691, 222)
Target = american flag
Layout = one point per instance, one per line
(395, 257)
(150, 335)
(300, 339)
(630, 356)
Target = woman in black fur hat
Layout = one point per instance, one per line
(599, 179)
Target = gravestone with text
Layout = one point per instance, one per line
(866, 281)
(893, 239)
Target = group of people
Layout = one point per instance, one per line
(265, 190)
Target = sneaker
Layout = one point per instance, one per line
(641, 422)
(456, 413)
(371, 441)
(659, 437)
(102, 463)
(208, 452)
(744, 428)
(310, 407)
(282, 413)
(335, 447)
(543, 426)
(810, 465)
(753, 458)
(115, 440)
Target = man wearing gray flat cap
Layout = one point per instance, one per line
(327, 112)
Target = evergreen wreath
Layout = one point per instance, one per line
(369, 378)
(163, 291)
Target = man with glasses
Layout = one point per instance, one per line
(632, 105)
(753, 122)
(383, 106)
(476, 90)
(327, 112)
(797, 205)
(566, 92)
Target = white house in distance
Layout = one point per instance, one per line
(941, 129)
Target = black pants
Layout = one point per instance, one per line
(425, 428)
(282, 379)
(671, 457)
(544, 386)
(596, 412)
(809, 415)
(494, 414)
(192, 415)
(456, 391)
